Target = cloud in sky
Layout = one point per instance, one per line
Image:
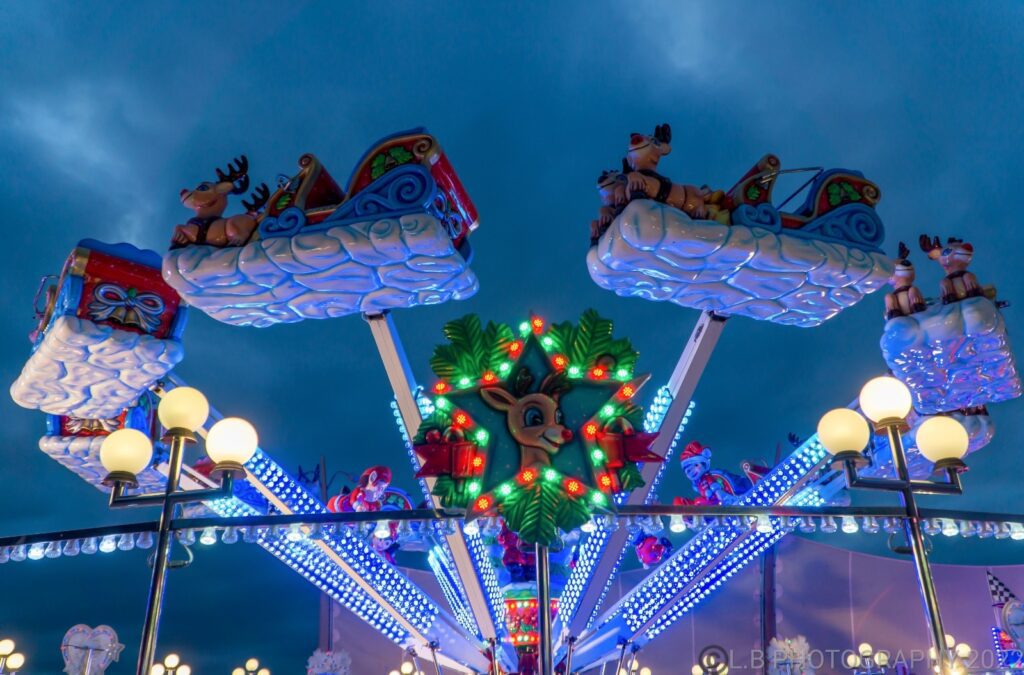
(90, 132)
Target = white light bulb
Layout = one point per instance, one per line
(172, 660)
(15, 661)
(231, 440)
(183, 408)
(885, 398)
(843, 430)
(126, 450)
(940, 438)
(6, 647)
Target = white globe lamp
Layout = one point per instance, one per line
(231, 443)
(183, 409)
(124, 454)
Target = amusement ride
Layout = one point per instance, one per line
(537, 446)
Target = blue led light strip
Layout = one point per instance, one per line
(312, 563)
(713, 555)
(443, 558)
(593, 546)
(394, 587)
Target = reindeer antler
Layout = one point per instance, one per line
(238, 175)
(927, 245)
(663, 132)
(904, 252)
(259, 199)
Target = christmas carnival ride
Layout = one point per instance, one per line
(537, 448)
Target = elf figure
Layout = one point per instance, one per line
(368, 494)
(713, 485)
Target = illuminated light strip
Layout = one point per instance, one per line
(718, 552)
(593, 547)
(393, 587)
(448, 586)
(312, 563)
(485, 573)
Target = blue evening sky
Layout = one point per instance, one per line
(108, 109)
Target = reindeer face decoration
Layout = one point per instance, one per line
(954, 257)
(903, 270)
(534, 420)
(646, 151)
(210, 198)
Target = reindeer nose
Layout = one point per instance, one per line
(636, 139)
(566, 435)
(968, 248)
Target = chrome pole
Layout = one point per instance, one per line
(912, 527)
(570, 645)
(544, 650)
(154, 604)
(622, 657)
(433, 655)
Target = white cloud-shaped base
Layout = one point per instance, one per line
(953, 356)
(89, 370)
(656, 252)
(82, 455)
(366, 267)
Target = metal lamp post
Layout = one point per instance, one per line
(230, 443)
(172, 665)
(251, 667)
(10, 660)
(845, 433)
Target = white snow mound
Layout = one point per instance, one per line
(952, 356)
(366, 267)
(83, 369)
(656, 252)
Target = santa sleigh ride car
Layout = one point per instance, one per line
(734, 252)
(396, 236)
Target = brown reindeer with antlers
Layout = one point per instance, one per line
(535, 420)
(954, 258)
(906, 298)
(645, 182)
(209, 199)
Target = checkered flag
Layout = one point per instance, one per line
(1001, 594)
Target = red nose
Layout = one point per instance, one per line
(968, 248)
(636, 139)
(183, 193)
(566, 435)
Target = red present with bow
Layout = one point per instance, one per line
(447, 455)
(626, 446)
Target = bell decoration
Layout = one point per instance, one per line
(627, 445)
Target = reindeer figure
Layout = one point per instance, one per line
(906, 298)
(535, 420)
(954, 257)
(644, 182)
(210, 199)
(611, 185)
